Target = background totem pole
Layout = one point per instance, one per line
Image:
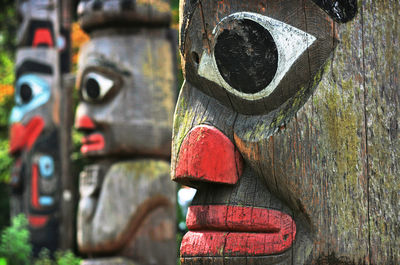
(126, 78)
(39, 128)
(288, 127)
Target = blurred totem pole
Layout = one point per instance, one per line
(39, 124)
(127, 87)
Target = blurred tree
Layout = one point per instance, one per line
(14, 244)
(8, 27)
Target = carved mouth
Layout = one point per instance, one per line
(92, 142)
(232, 231)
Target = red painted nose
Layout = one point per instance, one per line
(84, 122)
(207, 155)
(17, 137)
(25, 136)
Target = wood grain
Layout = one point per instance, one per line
(325, 153)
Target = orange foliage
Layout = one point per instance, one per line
(78, 38)
(6, 90)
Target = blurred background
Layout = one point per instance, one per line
(14, 245)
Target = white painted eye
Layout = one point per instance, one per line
(252, 54)
(95, 87)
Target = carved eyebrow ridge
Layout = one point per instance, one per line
(30, 66)
(101, 61)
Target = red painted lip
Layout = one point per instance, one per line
(38, 221)
(223, 231)
(25, 136)
(92, 142)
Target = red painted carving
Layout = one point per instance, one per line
(84, 122)
(35, 187)
(25, 136)
(37, 221)
(208, 155)
(221, 230)
(17, 137)
(92, 142)
(42, 37)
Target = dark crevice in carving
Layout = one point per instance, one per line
(367, 162)
(331, 259)
(128, 4)
(340, 10)
(97, 5)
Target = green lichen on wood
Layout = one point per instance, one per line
(341, 122)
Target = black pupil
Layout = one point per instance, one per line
(26, 93)
(246, 56)
(92, 88)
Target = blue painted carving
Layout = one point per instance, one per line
(31, 91)
(46, 166)
(46, 200)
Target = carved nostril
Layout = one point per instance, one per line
(84, 122)
(195, 57)
(207, 155)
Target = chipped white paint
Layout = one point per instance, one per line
(291, 43)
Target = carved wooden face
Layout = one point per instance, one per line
(125, 104)
(126, 84)
(249, 66)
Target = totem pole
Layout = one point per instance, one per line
(39, 129)
(127, 86)
(278, 127)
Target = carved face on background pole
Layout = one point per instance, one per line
(126, 104)
(249, 67)
(126, 84)
(34, 124)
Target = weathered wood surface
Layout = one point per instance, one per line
(130, 193)
(108, 261)
(127, 13)
(127, 85)
(323, 150)
(38, 126)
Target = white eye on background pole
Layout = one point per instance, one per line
(283, 44)
(96, 86)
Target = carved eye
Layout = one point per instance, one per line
(96, 86)
(31, 91)
(252, 53)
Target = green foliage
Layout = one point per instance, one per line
(6, 68)
(8, 26)
(44, 258)
(6, 105)
(5, 161)
(61, 258)
(67, 258)
(14, 246)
